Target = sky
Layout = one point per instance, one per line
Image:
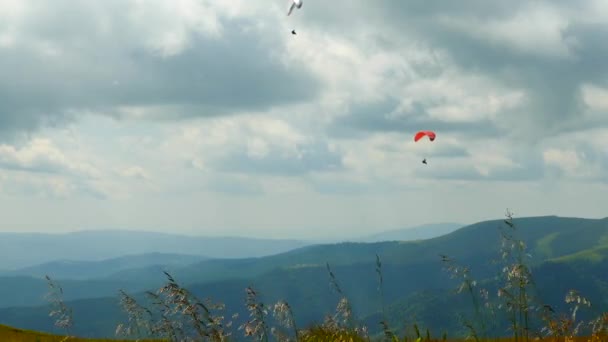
(209, 117)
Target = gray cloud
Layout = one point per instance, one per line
(530, 167)
(551, 82)
(337, 186)
(96, 69)
(593, 158)
(531, 170)
(234, 186)
(467, 172)
(40, 156)
(103, 65)
(457, 68)
(277, 161)
(449, 151)
(385, 116)
(48, 189)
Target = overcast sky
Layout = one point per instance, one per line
(210, 117)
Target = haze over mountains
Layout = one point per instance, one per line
(427, 231)
(26, 250)
(98, 263)
(77, 259)
(23, 250)
(574, 250)
(104, 268)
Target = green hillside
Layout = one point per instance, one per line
(9, 334)
(593, 255)
(548, 237)
(415, 285)
(566, 237)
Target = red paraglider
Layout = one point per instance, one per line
(421, 134)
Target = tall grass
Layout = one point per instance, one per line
(256, 326)
(178, 315)
(517, 280)
(61, 312)
(518, 300)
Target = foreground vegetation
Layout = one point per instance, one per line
(9, 334)
(512, 302)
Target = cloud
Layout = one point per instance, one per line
(388, 116)
(18, 185)
(70, 58)
(41, 156)
(579, 155)
(596, 98)
(333, 184)
(41, 168)
(252, 144)
(135, 172)
(565, 160)
(162, 107)
(234, 186)
(543, 51)
(521, 72)
(264, 159)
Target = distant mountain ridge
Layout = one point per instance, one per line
(19, 250)
(410, 269)
(422, 232)
(69, 269)
(31, 250)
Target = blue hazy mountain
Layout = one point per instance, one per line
(422, 232)
(18, 250)
(70, 269)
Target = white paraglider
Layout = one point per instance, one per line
(294, 4)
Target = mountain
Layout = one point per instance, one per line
(29, 291)
(565, 253)
(67, 269)
(88, 279)
(92, 279)
(33, 253)
(438, 310)
(550, 236)
(19, 250)
(427, 231)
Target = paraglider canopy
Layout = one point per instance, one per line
(295, 4)
(421, 134)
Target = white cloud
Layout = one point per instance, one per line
(40, 155)
(591, 11)
(568, 160)
(136, 172)
(468, 98)
(595, 97)
(202, 142)
(535, 29)
(275, 167)
(175, 23)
